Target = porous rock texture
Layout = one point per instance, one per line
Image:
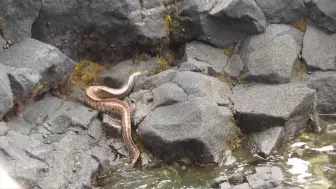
(182, 112)
(55, 144)
(269, 57)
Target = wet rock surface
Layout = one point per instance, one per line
(264, 177)
(325, 85)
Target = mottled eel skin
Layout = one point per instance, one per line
(112, 105)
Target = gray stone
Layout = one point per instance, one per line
(39, 111)
(325, 85)
(225, 185)
(277, 173)
(143, 101)
(70, 115)
(152, 27)
(269, 57)
(22, 81)
(242, 186)
(43, 58)
(323, 13)
(6, 94)
(319, 49)
(283, 11)
(266, 141)
(95, 129)
(198, 85)
(203, 19)
(111, 126)
(64, 25)
(148, 83)
(2, 44)
(331, 129)
(19, 125)
(259, 181)
(235, 66)
(168, 94)
(259, 107)
(19, 17)
(147, 65)
(236, 178)
(197, 52)
(169, 131)
(118, 74)
(3, 129)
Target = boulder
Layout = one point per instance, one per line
(323, 14)
(203, 19)
(264, 142)
(234, 66)
(43, 58)
(3, 128)
(325, 85)
(65, 25)
(148, 83)
(195, 129)
(269, 57)
(319, 49)
(283, 11)
(260, 107)
(61, 146)
(6, 94)
(2, 44)
(168, 94)
(23, 81)
(198, 85)
(19, 17)
(204, 57)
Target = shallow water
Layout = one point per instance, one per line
(308, 161)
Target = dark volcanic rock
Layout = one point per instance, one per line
(198, 85)
(234, 66)
(269, 57)
(325, 85)
(22, 81)
(6, 94)
(18, 18)
(260, 107)
(319, 49)
(266, 141)
(204, 58)
(58, 151)
(167, 94)
(323, 13)
(234, 19)
(195, 129)
(43, 58)
(283, 11)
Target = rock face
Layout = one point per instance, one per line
(283, 11)
(18, 18)
(57, 147)
(269, 57)
(185, 121)
(39, 57)
(323, 14)
(204, 58)
(265, 177)
(319, 49)
(6, 94)
(260, 107)
(194, 129)
(325, 85)
(234, 19)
